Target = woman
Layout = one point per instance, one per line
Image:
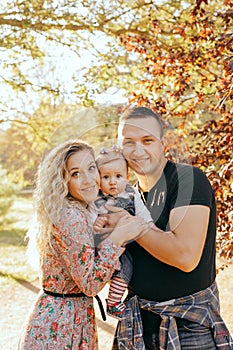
(71, 273)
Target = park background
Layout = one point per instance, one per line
(68, 68)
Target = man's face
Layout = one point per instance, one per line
(142, 145)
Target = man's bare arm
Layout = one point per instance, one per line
(183, 245)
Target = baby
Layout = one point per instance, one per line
(116, 191)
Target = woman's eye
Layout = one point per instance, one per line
(75, 174)
(92, 167)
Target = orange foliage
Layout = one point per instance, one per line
(198, 69)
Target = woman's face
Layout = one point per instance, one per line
(84, 176)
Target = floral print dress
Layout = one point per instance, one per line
(71, 266)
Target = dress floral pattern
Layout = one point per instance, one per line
(72, 266)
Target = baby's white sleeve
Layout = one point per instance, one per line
(140, 208)
(93, 212)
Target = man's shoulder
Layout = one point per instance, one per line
(181, 174)
(182, 168)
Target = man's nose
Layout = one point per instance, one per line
(138, 148)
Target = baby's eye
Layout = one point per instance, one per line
(106, 177)
(119, 176)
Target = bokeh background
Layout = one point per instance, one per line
(68, 68)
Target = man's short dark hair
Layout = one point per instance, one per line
(141, 112)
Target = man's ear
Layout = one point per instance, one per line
(164, 141)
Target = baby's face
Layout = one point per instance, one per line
(113, 177)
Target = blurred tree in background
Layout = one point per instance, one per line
(175, 57)
(24, 143)
(187, 75)
(7, 193)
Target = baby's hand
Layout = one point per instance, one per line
(99, 223)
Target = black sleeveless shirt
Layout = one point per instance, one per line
(179, 185)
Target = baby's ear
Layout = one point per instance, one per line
(128, 177)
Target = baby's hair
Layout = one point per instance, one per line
(109, 155)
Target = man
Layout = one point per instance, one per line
(173, 283)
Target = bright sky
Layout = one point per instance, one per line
(66, 65)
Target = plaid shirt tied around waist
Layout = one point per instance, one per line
(201, 307)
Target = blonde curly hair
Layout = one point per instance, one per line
(51, 194)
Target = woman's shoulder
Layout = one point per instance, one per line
(72, 213)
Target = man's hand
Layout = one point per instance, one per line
(114, 215)
(128, 229)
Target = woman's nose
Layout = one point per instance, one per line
(86, 177)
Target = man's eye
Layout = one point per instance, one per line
(127, 143)
(148, 140)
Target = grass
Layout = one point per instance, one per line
(13, 262)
